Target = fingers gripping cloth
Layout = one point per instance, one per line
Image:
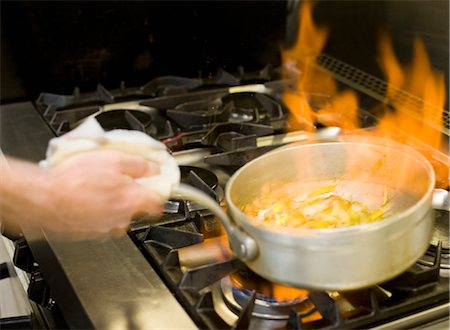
(90, 136)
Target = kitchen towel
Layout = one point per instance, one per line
(91, 136)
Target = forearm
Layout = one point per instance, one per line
(23, 191)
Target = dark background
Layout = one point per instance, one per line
(54, 46)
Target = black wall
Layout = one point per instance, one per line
(56, 45)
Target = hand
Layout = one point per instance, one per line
(93, 192)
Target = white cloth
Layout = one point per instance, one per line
(91, 136)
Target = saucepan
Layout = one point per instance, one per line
(343, 258)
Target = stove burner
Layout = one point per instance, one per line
(246, 280)
(199, 114)
(255, 107)
(207, 176)
(238, 287)
(243, 107)
(127, 119)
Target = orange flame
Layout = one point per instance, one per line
(284, 293)
(309, 43)
(278, 292)
(421, 118)
(416, 95)
(414, 100)
(332, 107)
(310, 38)
(272, 290)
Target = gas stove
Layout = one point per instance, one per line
(212, 127)
(231, 117)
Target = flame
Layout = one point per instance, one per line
(420, 119)
(412, 112)
(284, 293)
(311, 38)
(331, 107)
(309, 43)
(417, 123)
(279, 292)
(342, 111)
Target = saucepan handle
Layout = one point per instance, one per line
(243, 246)
(441, 200)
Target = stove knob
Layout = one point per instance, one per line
(39, 291)
(23, 258)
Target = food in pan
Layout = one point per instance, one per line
(323, 207)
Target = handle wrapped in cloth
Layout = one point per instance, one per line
(91, 136)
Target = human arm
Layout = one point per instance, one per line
(93, 192)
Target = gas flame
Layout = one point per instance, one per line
(329, 106)
(271, 290)
(419, 79)
(412, 112)
(310, 41)
(421, 119)
(284, 293)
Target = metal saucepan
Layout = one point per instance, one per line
(343, 258)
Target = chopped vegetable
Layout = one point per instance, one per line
(321, 208)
